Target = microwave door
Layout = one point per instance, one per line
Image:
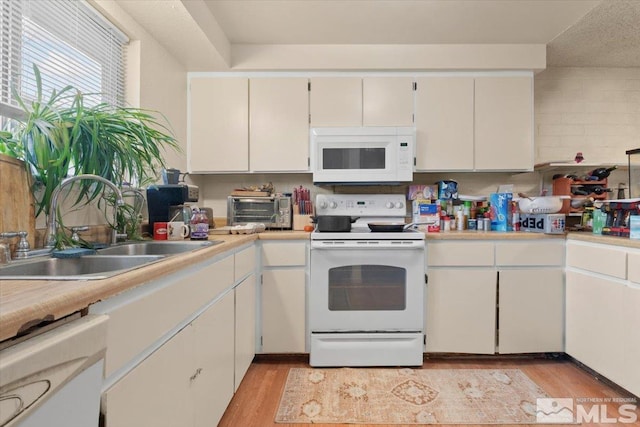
(348, 161)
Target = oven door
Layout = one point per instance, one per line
(366, 286)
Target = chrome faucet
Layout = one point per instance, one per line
(53, 208)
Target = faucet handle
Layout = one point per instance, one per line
(23, 244)
(75, 230)
(8, 234)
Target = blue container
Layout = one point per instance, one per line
(500, 208)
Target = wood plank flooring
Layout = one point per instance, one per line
(257, 399)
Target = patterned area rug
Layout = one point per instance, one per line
(408, 396)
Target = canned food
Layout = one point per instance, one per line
(472, 224)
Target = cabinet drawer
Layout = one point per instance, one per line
(633, 268)
(136, 325)
(460, 253)
(530, 253)
(283, 253)
(245, 262)
(598, 259)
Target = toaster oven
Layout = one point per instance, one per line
(272, 211)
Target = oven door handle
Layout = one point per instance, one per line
(367, 244)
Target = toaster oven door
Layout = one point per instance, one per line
(243, 210)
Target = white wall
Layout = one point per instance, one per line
(155, 79)
(592, 110)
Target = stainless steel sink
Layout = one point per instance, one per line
(157, 247)
(90, 267)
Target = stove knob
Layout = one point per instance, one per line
(333, 205)
(323, 205)
(389, 205)
(398, 205)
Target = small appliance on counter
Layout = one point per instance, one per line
(165, 201)
(274, 211)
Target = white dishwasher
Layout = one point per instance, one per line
(54, 378)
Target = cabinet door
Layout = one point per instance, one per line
(279, 124)
(461, 311)
(336, 101)
(283, 311)
(387, 101)
(631, 338)
(531, 316)
(595, 332)
(218, 124)
(211, 376)
(444, 123)
(157, 392)
(504, 123)
(633, 267)
(245, 327)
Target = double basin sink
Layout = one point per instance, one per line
(108, 262)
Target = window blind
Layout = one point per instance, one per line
(69, 41)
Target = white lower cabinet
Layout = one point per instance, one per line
(531, 310)
(187, 381)
(179, 346)
(501, 296)
(245, 317)
(157, 392)
(631, 338)
(283, 311)
(602, 316)
(212, 377)
(461, 311)
(595, 329)
(283, 296)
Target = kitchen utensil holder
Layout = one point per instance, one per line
(299, 221)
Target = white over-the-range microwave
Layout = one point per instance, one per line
(362, 155)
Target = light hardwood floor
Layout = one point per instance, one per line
(256, 401)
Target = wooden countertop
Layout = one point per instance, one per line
(606, 240)
(490, 235)
(27, 303)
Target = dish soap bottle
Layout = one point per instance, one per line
(199, 225)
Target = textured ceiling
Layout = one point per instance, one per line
(608, 36)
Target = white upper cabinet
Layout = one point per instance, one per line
(387, 101)
(504, 123)
(336, 101)
(219, 124)
(356, 101)
(279, 124)
(444, 123)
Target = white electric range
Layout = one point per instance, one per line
(366, 290)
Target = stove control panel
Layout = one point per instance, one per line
(379, 205)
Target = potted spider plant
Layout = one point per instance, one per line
(63, 136)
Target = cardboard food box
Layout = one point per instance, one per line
(543, 223)
(425, 212)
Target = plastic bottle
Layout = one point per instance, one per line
(199, 225)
